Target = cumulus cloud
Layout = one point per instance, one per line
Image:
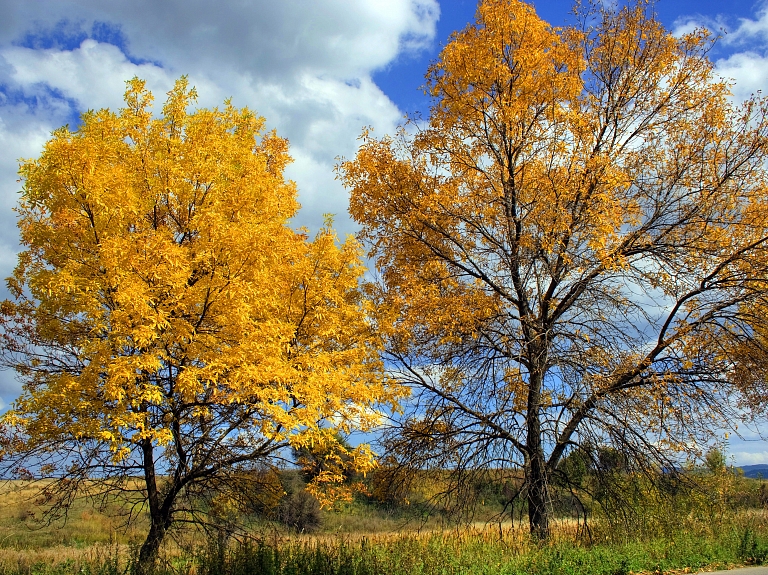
(751, 29)
(306, 66)
(274, 39)
(686, 26)
(749, 457)
(749, 72)
(743, 45)
(92, 75)
(748, 64)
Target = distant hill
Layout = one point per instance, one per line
(755, 470)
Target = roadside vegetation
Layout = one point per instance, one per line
(672, 524)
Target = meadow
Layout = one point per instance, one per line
(719, 525)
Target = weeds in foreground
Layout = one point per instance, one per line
(465, 553)
(654, 534)
(752, 549)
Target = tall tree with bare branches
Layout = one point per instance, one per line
(571, 248)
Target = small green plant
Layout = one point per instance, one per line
(623, 568)
(751, 550)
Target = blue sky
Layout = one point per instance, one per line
(318, 70)
(399, 79)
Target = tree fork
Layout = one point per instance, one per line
(562, 208)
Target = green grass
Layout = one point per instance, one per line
(455, 553)
(689, 532)
(480, 554)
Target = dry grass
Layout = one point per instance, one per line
(93, 536)
(23, 524)
(31, 560)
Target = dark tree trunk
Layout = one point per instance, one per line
(150, 548)
(159, 514)
(536, 468)
(538, 496)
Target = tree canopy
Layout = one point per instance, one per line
(572, 248)
(168, 324)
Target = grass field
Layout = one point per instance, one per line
(360, 539)
(23, 525)
(467, 552)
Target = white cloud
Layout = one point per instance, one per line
(306, 66)
(750, 30)
(745, 42)
(749, 457)
(22, 135)
(748, 70)
(686, 26)
(748, 64)
(747, 447)
(93, 74)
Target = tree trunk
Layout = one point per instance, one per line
(536, 468)
(150, 548)
(538, 496)
(159, 515)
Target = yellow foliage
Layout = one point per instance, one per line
(576, 237)
(163, 299)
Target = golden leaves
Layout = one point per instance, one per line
(575, 230)
(159, 255)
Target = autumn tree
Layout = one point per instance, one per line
(174, 336)
(571, 249)
(324, 457)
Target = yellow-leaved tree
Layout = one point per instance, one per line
(168, 324)
(572, 248)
